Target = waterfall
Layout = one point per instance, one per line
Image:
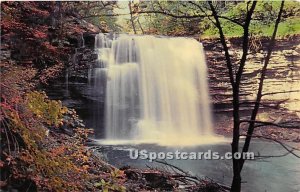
(156, 89)
(67, 82)
(82, 42)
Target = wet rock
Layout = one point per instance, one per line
(153, 180)
(133, 175)
(158, 180)
(73, 40)
(89, 39)
(5, 54)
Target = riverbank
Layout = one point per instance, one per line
(44, 149)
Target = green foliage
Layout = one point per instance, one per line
(287, 27)
(98, 13)
(263, 20)
(50, 169)
(112, 184)
(30, 154)
(50, 111)
(262, 23)
(161, 24)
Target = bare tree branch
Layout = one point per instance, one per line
(102, 15)
(223, 41)
(131, 17)
(286, 124)
(273, 93)
(185, 174)
(245, 43)
(287, 147)
(222, 17)
(259, 157)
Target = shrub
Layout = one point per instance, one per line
(50, 111)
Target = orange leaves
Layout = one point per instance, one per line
(58, 151)
(26, 157)
(83, 132)
(85, 167)
(54, 163)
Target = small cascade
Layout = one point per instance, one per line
(67, 81)
(102, 46)
(82, 41)
(97, 73)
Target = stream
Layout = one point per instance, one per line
(277, 174)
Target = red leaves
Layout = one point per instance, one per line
(9, 25)
(50, 72)
(6, 106)
(38, 12)
(28, 24)
(39, 34)
(76, 29)
(49, 47)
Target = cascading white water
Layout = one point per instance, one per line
(98, 72)
(156, 89)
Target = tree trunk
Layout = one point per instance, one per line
(261, 83)
(236, 183)
(236, 163)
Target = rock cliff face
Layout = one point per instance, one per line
(283, 72)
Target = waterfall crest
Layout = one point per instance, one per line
(156, 89)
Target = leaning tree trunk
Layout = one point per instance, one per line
(236, 181)
(238, 164)
(235, 83)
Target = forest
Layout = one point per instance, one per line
(85, 82)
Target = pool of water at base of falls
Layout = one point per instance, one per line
(275, 174)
